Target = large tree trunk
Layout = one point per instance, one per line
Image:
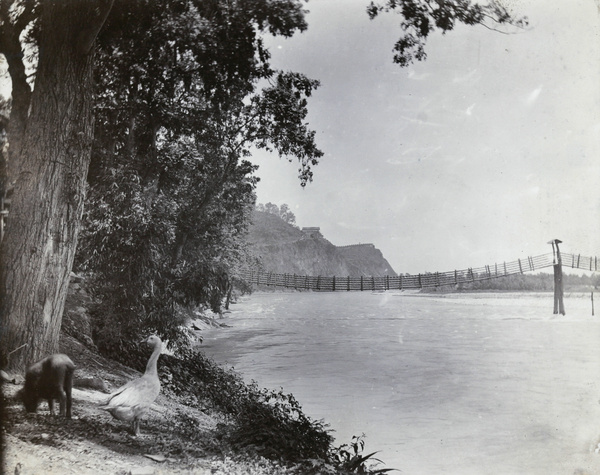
(47, 201)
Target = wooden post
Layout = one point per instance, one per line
(592, 303)
(559, 306)
(558, 290)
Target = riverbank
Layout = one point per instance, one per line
(176, 438)
(205, 420)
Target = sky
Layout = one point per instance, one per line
(480, 154)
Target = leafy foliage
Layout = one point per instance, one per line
(352, 460)
(421, 17)
(178, 109)
(283, 212)
(265, 422)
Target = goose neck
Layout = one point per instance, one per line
(151, 367)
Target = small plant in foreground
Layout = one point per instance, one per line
(350, 458)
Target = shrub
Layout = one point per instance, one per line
(351, 459)
(268, 423)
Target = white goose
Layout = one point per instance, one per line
(131, 401)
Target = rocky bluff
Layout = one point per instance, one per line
(283, 248)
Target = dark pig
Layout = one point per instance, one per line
(50, 378)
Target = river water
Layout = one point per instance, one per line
(440, 384)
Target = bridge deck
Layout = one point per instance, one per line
(418, 281)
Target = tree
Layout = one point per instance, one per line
(282, 212)
(50, 130)
(421, 17)
(286, 214)
(272, 208)
(170, 185)
(50, 135)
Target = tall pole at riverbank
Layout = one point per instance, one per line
(559, 306)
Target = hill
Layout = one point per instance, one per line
(283, 248)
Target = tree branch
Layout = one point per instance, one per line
(88, 35)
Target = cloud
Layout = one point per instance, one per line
(355, 226)
(533, 95)
(421, 121)
(466, 77)
(417, 77)
(414, 155)
(453, 160)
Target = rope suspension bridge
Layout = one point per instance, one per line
(553, 259)
(419, 281)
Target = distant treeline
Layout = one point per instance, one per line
(282, 211)
(528, 282)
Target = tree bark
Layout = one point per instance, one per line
(21, 91)
(49, 189)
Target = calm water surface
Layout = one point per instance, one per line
(458, 384)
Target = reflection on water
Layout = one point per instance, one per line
(457, 384)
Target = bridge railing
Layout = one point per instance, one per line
(418, 281)
(577, 261)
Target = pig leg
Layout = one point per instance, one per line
(62, 398)
(59, 376)
(51, 406)
(68, 385)
(63, 401)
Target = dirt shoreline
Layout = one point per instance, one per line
(175, 438)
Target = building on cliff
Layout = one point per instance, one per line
(312, 231)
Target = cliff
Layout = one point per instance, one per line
(283, 248)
